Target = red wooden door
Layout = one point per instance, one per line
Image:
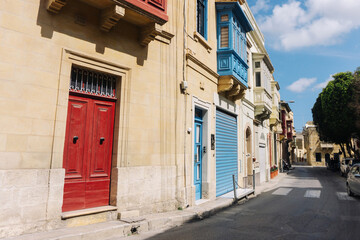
(87, 153)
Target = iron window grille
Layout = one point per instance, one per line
(201, 8)
(92, 82)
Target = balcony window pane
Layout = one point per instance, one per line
(224, 37)
(243, 42)
(258, 79)
(241, 47)
(224, 18)
(234, 38)
(201, 17)
(237, 43)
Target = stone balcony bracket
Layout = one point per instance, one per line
(263, 115)
(231, 88)
(326, 145)
(146, 16)
(274, 122)
(55, 6)
(110, 17)
(149, 33)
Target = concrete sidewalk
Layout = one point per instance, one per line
(154, 223)
(268, 186)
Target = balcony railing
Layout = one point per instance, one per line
(229, 63)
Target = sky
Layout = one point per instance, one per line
(308, 41)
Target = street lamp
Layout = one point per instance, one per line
(291, 101)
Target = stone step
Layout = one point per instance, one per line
(112, 229)
(96, 231)
(131, 225)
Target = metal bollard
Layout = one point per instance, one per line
(235, 198)
(254, 179)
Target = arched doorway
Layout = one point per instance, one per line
(248, 141)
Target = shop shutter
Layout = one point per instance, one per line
(226, 152)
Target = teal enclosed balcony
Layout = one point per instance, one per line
(232, 26)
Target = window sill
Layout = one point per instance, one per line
(202, 40)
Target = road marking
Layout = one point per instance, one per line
(312, 194)
(282, 191)
(344, 196)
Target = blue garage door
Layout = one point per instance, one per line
(226, 152)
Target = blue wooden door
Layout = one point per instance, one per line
(226, 152)
(198, 153)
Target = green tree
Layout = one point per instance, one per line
(355, 102)
(332, 114)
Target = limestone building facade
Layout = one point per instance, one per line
(300, 151)
(288, 132)
(275, 127)
(128, 107)
(317, 151)
(89, 102)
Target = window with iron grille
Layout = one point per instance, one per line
(201, 17)
(92, 82)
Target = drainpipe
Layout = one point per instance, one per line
(184, 83)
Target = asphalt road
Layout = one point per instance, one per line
(310, 203)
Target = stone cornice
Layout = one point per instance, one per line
(191, 57)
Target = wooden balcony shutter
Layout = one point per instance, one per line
(224, 37)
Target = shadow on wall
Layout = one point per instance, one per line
(81, 21)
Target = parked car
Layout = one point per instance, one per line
(351, 163)
(344, 166)
(353, 180)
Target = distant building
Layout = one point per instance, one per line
(318, 152)
(300, 151)
(286, 138)
(275, 125)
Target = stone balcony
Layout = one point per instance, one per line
(274, 117)
(148, 15)
(325, 145)
(263, 103)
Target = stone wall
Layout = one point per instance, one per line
(148, 189)
(30, 200)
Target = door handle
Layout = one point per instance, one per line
(102, 139)
(75, 138)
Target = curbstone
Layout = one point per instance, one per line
(155, 224)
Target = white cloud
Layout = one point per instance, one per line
(315, 23)
(324, 84)
(301, 85)
(260, 5)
